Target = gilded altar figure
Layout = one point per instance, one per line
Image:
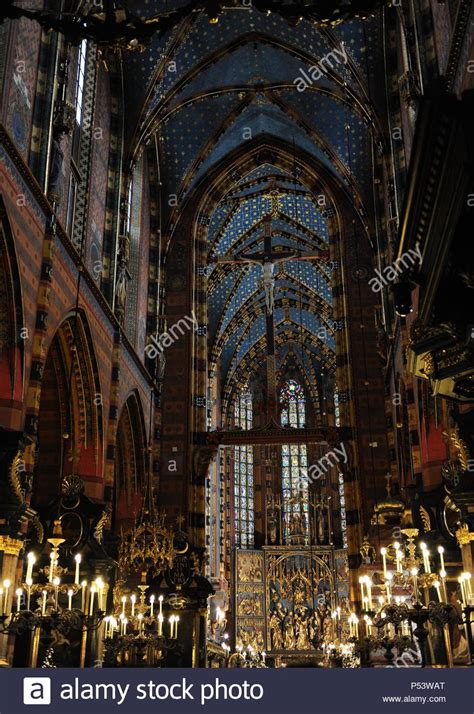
(314, 629)
(301, 628)
(276, 635)
(289, 631)
(272, 526)
(272, 519)
(295, 524)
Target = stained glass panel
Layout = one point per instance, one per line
(243, 475)
(294, 460)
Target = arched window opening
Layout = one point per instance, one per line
(243, 476)
(294, 463)
(80, 80)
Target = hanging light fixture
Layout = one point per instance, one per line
(149, 546)
(134, 633)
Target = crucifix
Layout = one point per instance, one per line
(267, 259)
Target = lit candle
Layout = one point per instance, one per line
(369, 591)
(124, 600)
(78, 559)
(43, 605)
(83, 595)
(106, 628)
(441, 556)
(70, 593)
(388, 585)
(100, 593)
(160, 600)
(29, 570)
(51, 567)
(356, 626)
(19, 593)
(263, 656)
(140, 622)
(171, 626)
(437, 586)
(383, 551)
(6, 585)
(414, 572)
(91, 606)
(467, 586)
(152, 600)
(160, 624)
(29, 583)
(125, 623)
(442, 575)
(398, 557)
(176, 620)
(133, 598)
(426, 557)
(361, 583)
(56, 582)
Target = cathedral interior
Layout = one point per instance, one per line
(236, 348)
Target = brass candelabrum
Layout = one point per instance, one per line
(408, 574)
(247, 658)
(345, 655)
(51, 604)
(134, 635)
(390, 621)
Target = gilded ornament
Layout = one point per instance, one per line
(463, 536)
(10, 546)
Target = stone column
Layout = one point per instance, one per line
(9, 552)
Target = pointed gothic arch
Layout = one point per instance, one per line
(70, 419)
(130, 464)
(12, 330)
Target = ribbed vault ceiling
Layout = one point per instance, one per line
(206, 89)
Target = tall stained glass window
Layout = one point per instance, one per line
(80, 80)
(294, 462)
(243, 476)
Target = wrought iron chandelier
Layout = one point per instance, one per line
(111, 25)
